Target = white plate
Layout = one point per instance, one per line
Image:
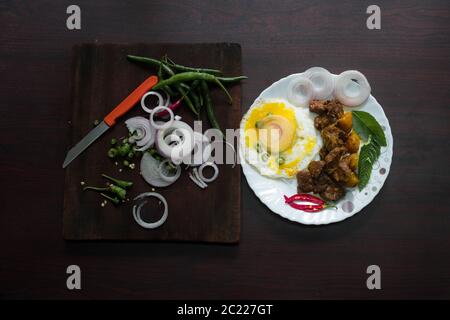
(271, 191)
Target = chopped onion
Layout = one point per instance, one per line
(352, 88)
(152, 93)
(322, 80)
(176, 152)
(161, 125)
(197, 181)
(145, 134)
(208, 164)
(151, 172)
(300, 91)
(137, 211)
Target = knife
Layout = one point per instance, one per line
(110, 119)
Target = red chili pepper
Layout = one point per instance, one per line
(304, 197)
(318, 205)
(172, 107)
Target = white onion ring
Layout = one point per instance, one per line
(151, 93)
(197, 176)
(300, 91)
(150, 171)
(212, 165)
(171, 138)
(176, 153)
(170, 179)
(145, 133)
(201, 151)
(344, 80)
(137, 211)
(197, 182)
(322, 80)
(161, 125)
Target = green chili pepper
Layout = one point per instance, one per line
(192, 76)
(130, 155)
(170, 63)
(164, 67)
(121, 183)
(155, 154)
(112, 153)
(113, 141)
(126, 163)
(113, 200)
(183, 89)
(231, 79)
(120, 192)
(124, 149)
(209, 107)
(196, 101)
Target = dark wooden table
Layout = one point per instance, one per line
(405, 230)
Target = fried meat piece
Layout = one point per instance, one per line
(342, 173)
(304, 181)
(333, 137)
(322, 121)
(315, 168)
(318, 106)
(332, 192)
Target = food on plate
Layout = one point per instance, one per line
(279, 139)
(372, 133)
(352, 88)
(335, 170)
(306, 202)
(300, 91)
(322, 81)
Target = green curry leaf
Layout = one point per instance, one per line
(366, 125)
(368, 155)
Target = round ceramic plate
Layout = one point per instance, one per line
(271, 191)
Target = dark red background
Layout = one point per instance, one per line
(405, 230)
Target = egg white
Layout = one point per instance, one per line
(304, 149)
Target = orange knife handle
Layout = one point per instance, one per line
(130, 101)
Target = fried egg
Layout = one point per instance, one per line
(278, 139)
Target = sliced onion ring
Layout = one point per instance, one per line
(176, 153)
(322, 80)
(197, 181)
(145, 134)
(160, 125)
(362, 86)
(150, 171)
(170, 179)
(137, 211)
(201, 152)
(151, 93)
(208, 164)
(300, 91)
(172, 138)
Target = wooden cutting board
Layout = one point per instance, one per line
(101, 78)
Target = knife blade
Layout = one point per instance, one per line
(110, 119)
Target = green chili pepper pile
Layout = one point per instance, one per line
(124, 151)
(115, 192)
(190, 82)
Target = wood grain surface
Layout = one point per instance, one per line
(405, 230)
(102, 77)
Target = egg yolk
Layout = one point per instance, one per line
(273, 125)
